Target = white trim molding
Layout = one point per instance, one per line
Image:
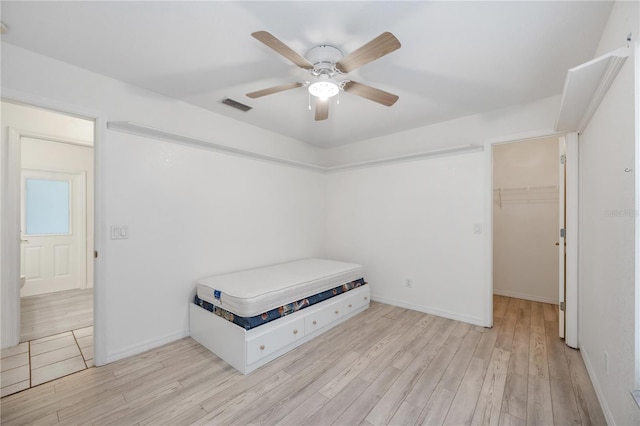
(526, 296)
(10, 229)
(150, 132)
(585, 87)
(572, 241)
(461, 149)
(433, 311)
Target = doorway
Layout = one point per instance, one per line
(526, 219)
(54, 156)
(528, 212)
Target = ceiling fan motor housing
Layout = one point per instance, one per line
(324, 58)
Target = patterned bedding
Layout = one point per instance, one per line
(250, 322)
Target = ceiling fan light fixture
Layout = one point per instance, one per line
(324, 88)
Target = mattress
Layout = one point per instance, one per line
(255, 291)
(251, 322)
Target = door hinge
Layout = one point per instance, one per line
(95, 254)
(563, 159)
(563, 233)
(562, 306)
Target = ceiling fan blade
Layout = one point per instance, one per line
(322, 109)
(382, 45)
(271, 41)
(371, 93)
(274, 89)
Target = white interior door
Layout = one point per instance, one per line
(562, 245)
(52, 231)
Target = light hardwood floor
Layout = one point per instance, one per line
(387, 365)
(48, 314)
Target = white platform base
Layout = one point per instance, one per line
(247, 350)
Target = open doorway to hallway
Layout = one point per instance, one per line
(56, 165)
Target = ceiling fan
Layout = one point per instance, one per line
(324, 63)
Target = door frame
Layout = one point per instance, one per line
(571, 337)
(10, 262)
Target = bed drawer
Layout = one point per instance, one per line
(316, 320)
(355, 301)
(267, 343)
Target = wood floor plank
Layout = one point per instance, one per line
(586, 399)
(438, 405)
(407, 414)
(54, 313)
(466, 397)
(507, 329)
(302, 414)
(430, 377)
(339, 404)
(489, 404)
(286, 405)
(379, 346)
(565, 410)
(408, 354)
(411, 368)
(516, 386)
(500, 304)
(384, 410)
(539, 408)
(359, 409)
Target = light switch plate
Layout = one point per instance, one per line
(119, 232)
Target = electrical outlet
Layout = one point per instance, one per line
(408, 283)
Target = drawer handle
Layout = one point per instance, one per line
(337, 312)
(295, 331)
(315, 322)
(349, 304)
(262, 347)
(365, 298)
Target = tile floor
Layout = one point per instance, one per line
(39, 361)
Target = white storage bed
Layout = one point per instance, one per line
(254, 292)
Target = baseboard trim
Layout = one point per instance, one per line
(526, 296)
(433, 311)
(145, 346)
(596, 386)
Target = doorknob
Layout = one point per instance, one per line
(557, 243)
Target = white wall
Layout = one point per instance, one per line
(193, 213)
(526, 221)
(473, 129)
(190, 212)
(414, 220)
(607, 254)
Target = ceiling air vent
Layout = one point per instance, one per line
(236, 104)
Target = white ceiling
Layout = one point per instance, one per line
(456, 59)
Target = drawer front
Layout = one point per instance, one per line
(357, 300)
(328, 314)
(267, 343)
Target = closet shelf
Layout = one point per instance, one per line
(526, 194)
